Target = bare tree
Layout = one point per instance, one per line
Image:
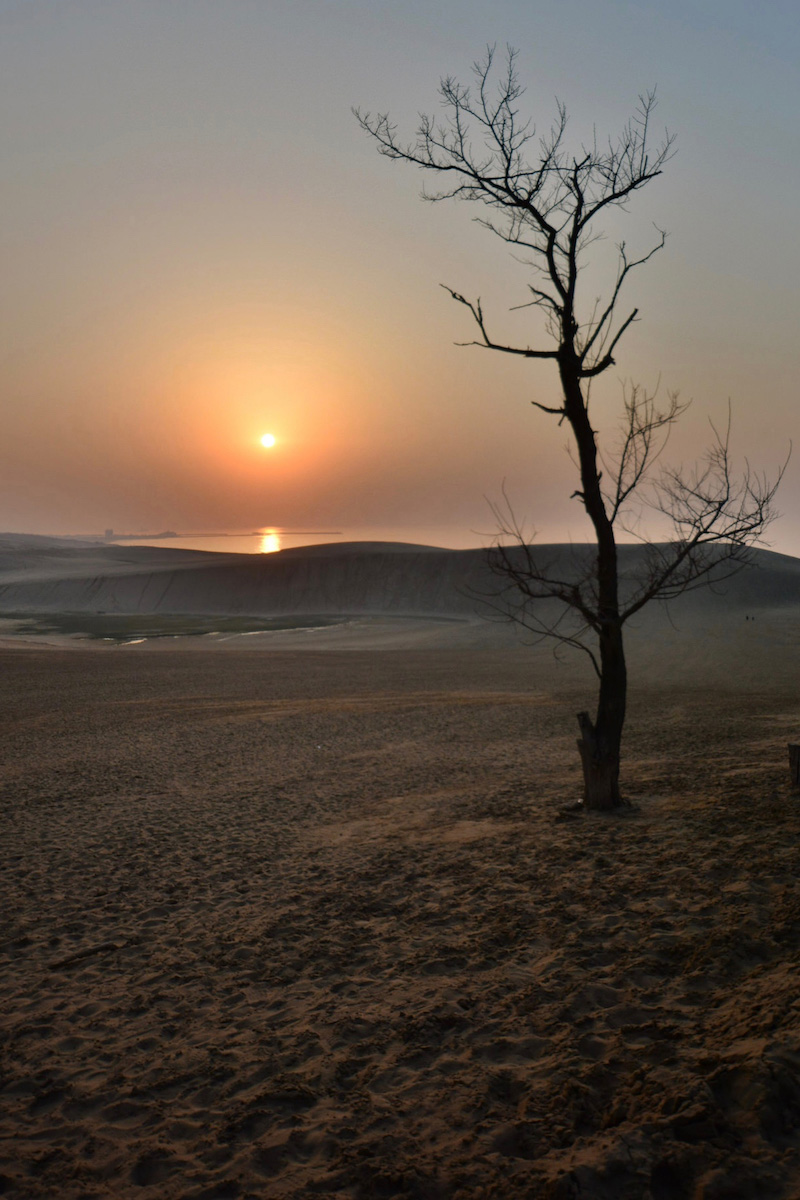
(545, 200)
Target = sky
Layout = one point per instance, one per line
(199, 246)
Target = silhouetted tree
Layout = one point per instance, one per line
(544, 199)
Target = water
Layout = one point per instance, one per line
(132, 629)
(271, 539)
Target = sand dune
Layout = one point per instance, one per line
(356, 578)
(388, 596)
(284, 924)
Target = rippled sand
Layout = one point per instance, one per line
(301, 924)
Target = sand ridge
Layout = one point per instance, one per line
(378, 579)
(295, 924)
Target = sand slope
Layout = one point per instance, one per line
(360, 578)
(393, 596)
(291, 922)
(294, 925)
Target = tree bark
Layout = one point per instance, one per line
(794, 763)
(600, 769)
(600, 742)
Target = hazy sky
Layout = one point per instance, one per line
(199, 246)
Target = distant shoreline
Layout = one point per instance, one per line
(170, 533)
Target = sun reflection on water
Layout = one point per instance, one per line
(270, 541)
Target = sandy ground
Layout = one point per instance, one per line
(288, 924)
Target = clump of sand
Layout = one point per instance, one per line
(293, 925)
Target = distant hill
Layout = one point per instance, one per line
(39, 574)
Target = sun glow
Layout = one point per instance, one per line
(270, 541)
(268, 440)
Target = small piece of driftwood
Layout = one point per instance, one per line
(794, 763)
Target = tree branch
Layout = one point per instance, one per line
(487, 342)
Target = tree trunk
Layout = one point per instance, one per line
(600, 741)
(600, 768)
(794, 763)
(599, 744)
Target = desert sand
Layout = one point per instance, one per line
(312, 913)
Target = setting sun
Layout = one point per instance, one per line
(268, 440)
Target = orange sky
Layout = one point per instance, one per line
(201, 246)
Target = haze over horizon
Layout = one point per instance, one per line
(202, 248)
